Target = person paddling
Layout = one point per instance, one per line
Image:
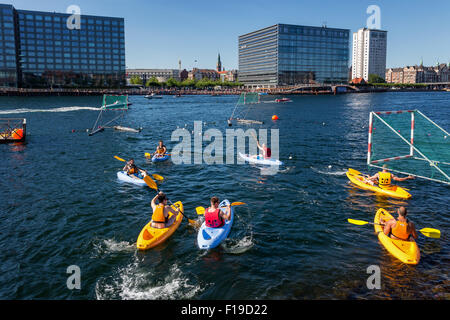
(132, 170)
(402, 228)
(160, 217)
(384, 178)
(266, 152)
(161, 149)
(214, 217)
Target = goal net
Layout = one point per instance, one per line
(409, 143)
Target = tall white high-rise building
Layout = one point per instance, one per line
(369, 53)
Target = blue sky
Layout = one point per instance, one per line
(158, 33)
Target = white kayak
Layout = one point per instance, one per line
(123, 176)
(260, 160)
(209, 238)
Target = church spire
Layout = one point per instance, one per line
(219, 63)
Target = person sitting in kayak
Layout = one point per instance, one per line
(266, 152)
(160, 149)
(401, 229)
(160, 217)
(132, 170)
(384, 178)
(214, 217)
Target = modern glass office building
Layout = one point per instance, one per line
(49, 54)
(283, 55)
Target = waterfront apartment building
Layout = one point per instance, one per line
(162, 75)
(419, 74)
(282, 55)
(37, 49)
(199, 74)
(369, 53)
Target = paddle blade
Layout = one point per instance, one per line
(120, 159)
(157, 177)
(353, 171)
(237, 204)
(200, 210)
(431, 233)
(148, 155)
(357, 222)
(151, 183)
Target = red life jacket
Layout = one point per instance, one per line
(268, 153)
(213, 219)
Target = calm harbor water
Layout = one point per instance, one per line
(61, 204)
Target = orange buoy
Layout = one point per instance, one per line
(17, 134)
(274, 117)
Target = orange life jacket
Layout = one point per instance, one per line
(132, 170)
(400, 230)
(158, 214)
(384, 179)
(213, 219)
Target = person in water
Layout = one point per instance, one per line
(265, 151)
(384, 178)
(214, 217)
(160, 149)
(400, 229)
(160, 217)
(132, 170)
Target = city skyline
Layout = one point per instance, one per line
(177, 30)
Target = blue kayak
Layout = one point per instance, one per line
(209, 238)
(157, 158)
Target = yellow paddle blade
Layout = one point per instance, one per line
(200, 210)
(357, 222)
(147, 155)
(431, 233)
(157, 177)
(152, 184)
(120, 159)
(353, 171)
(237, 204)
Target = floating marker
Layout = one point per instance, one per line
(274, 117)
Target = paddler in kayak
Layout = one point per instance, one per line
(384, 178)
(214, 217)
(132, 170)
(266, 152)
(161, 149)
(402, 228)
(160, 217)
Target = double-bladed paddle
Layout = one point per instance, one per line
(427, 232)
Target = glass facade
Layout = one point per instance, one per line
(8, 53)
(289, 54)
(50, 54)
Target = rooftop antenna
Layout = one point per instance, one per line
(324, 24)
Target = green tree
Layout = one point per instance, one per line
(171, 83)
(153, 82)
(374, 78)
(188, 83)
(136, 80)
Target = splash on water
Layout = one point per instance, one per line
(239, 246)
(135, 282)
(62, 109)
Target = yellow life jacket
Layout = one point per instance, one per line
(160, 150)
(384, 179)
(158, 214)
(400, 230)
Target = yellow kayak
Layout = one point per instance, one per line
(406, 251)
(392, 191)
(151, 237)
